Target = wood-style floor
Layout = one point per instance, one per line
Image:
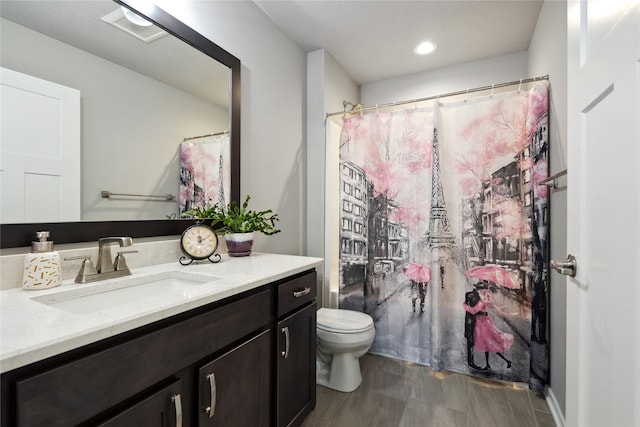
(395, 393)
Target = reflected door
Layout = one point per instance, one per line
(40, 150)
(603, 207)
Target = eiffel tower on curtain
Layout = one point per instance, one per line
(439, 234)
(439, 241)
(222, 203)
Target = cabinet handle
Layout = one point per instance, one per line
(301, 293)
(177, 403)
(211, 409)
(285, 353)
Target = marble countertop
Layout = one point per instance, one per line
(31, 330)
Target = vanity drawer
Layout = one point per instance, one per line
(296, 293)
(73, 392)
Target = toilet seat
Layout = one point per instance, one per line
(343, 321)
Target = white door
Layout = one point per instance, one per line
(39, 151)
(603, 203)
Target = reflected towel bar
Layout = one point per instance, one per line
(125, 196)
(552, 180)
(189, 138)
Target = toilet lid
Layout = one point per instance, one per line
(343, 321)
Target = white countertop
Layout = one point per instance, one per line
(31, 331)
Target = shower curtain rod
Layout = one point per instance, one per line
(444, 95)
(205, 136)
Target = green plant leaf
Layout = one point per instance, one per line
(241, 219)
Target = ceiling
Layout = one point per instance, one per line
(371, 39)
(374, 40)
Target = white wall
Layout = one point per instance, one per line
(445, 80)
(130, 131)
(328, 85)
(273, 127)
(547, 55)
(339, 86)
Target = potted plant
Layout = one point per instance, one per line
(238, 223)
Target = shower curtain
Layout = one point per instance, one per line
(443, 233)
(205, 177)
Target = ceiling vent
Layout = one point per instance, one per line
(146, 33)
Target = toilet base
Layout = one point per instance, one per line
(342, 374)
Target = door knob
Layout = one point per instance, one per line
(568, 267)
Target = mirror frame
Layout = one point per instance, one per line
(21, 235)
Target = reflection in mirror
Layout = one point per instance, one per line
(139, 100)
(142, 91)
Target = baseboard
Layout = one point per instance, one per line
(556, 412)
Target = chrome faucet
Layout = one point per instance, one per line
(106, 268)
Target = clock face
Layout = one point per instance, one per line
(199, 242)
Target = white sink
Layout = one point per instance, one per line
(86, 299)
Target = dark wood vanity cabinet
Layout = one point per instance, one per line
(211, 366)
(296, 350)
(234, 388)
(147, 374)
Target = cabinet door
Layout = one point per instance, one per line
(162, 409)
(234, 389)
(296, 366)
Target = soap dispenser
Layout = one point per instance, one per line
(42, 268)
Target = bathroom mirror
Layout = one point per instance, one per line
(89, 229)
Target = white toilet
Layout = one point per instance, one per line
(343, 337)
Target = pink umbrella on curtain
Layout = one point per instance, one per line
(417, 272)
(495, 274)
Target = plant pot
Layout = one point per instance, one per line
(239, 244)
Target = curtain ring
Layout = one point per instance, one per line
(520, 86)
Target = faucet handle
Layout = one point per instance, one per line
(120, 264)
(86, 269)
(122, 241)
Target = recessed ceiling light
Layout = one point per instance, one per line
(145, 33)
(134, 18)
(424, 48)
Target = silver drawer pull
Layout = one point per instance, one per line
(211, 409)
(285, 353)
(177, 403)
(301, 293)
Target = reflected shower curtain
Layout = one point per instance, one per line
(443, 233)
(205, 177)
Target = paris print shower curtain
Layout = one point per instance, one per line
(443, 233)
